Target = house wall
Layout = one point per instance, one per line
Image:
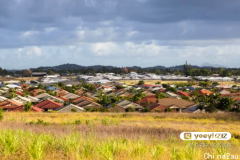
(68, 109)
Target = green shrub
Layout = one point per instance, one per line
(78, 122)
(73, 110)
(1, 114)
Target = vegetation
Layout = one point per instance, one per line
(27, 107)
(112, 136)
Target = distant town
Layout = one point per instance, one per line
(128, 91)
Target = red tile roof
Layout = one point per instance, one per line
(20, 109)
(147, 85)
(204, 92)
(180, 93)
(48, 104)
(9, 102)
(157, 106)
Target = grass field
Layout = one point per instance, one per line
(134, 82)
(111, 135)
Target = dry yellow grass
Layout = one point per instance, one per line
(120, 136)
(134, 82)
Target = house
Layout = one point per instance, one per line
(181, 93)
(52, 88)
(44, 96)
(48, 105)
(148, 100)
(70, 108)
(37, 91)
(116, 108)
(193, 109)
(39, 74)
(80, 92)
(204, 92)
(33, 109)
(147, 93)
(172, 95)
(61, 92)
(157, 107)
(70, 96)
(128, 104)
(2, 98)
(176, 105)
(87, 104)
(32, 99)
(9, 104)
(80, 99)
(21, 99)
(223, 91)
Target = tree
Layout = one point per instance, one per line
(27, 72)
(50, 72)
(141, 82)
(186, 98)
(27, 107)
(125, 70)
(160, 95)
(211, 108)
(225, 104)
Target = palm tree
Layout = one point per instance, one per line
(27, 106)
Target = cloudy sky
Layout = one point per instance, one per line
(145, 33)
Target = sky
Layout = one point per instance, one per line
(144, 33)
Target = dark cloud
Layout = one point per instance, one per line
(112, 23)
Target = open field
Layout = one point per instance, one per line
(111, 135)
(18, 78)
(134, 82)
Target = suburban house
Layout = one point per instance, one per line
(172, 95)
(224, 91)
(86, 104)
(32, 99)
(116, 108)
(33, 109)
(70, 96)
(21, 99)
(37, 92)
(204, 92)
(44, 96)
(80, 99)
(61, 92)
(148, 100)
(177, 105)
(157, 107)
(39, 74)
(2, 98)
(70, 108)
(48, 105)
(181, 93)
(128, 104)
(9, 104)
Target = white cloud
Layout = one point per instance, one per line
(29, 33)
(50, 29)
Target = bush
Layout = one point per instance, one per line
(141, 82)
(168, 110)
(73, 110)
(1, 114)
(146, 109)
(130, 109)
(78, 122)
